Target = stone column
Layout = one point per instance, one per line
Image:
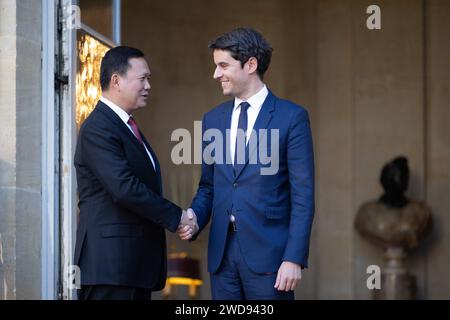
(20, 149)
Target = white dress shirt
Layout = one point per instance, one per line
(256, 102)
(125, 117)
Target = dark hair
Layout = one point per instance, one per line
(395, 178)
(244, 43)
(116, 60)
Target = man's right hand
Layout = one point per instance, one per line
(188, 225)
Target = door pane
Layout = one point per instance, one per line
(97, 14)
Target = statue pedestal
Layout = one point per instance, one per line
(396, 282)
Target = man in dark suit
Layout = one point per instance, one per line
(261, 219)
(121, 245)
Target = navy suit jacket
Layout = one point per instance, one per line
(120, 236)
(274, 213)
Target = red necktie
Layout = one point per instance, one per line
(135, 129)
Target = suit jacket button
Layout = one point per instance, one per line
(235, 185)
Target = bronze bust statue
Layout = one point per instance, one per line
(396, 224)
(394, 220)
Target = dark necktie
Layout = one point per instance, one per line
(242, 124)
(135, 129)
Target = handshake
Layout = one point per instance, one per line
(188, 225)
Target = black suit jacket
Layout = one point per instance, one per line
(120, 235)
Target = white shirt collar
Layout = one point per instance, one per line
(256, 101)
(118, 110)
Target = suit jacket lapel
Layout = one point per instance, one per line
(224, 126)
(262, 121)
(155, 159)
(122, 126)
(116, 119)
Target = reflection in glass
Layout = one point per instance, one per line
(88, 91)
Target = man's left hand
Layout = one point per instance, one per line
(188, 225)
(289, 274)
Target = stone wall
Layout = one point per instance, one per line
(20, 149)
(372, 95)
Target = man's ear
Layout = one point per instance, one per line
(252, 65)
(115, 82)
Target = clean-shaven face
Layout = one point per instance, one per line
(135, 85)
(232, 77)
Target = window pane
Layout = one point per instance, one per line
(97, 14)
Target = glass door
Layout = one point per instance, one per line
(82, 45)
